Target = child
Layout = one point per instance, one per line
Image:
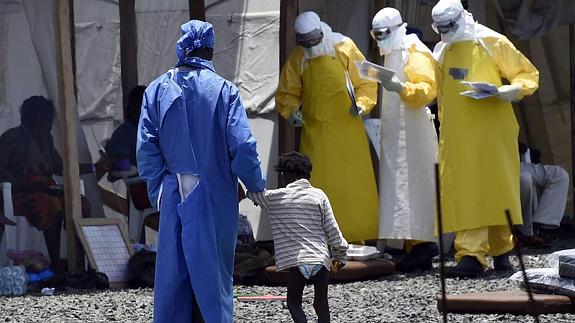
(304, 229)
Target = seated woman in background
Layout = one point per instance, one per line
(121, 148)
(29, 160)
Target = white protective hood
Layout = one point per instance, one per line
(472, 31)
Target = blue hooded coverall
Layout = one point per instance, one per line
(193, 123)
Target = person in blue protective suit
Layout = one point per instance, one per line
(193, 143)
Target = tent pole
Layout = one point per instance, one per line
(444, 309)
(197, 10)
(534, 310)
(63, 22)
(288, 13)
(572, 85)
(128, 49)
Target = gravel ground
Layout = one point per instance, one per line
(397, 298)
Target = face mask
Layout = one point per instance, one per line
(385, 46)
(453, 35)
(394, 41)
(314, 51)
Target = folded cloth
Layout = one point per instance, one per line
(567, 266)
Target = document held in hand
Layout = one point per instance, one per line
(374, 72)
(373, 130)
(479, 90)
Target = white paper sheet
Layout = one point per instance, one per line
(480, 90)
(374, 72)
(373, 130)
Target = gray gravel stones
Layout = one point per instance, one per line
(106, 306)
(397, 298)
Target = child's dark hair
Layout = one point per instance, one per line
(294, 163)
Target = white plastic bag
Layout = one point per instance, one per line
(553, 259)
(359, 252)
(545, 281)
(563, 262)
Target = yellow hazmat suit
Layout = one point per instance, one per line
(479, 161)
(332, 137)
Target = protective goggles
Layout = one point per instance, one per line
(383, 33)
(445, 27)
(310, 39)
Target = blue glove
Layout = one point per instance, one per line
(297, 119)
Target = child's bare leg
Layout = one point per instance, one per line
(320, 286)
(296, 284)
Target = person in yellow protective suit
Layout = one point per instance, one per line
(479, 165)
(408, 142)
(321, 77)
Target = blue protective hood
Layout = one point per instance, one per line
(195, 34)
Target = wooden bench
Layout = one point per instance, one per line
(352, 271)
(514, 302)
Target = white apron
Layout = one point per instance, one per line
(406, 168)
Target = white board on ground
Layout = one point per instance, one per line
(106, 245)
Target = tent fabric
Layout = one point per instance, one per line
(40, 21)
(9, 6)
(157, 37)
(99, 89)
(255, 68)
(527, 19)
(98, 64)
(98, 81)
(247, 46)
(22, 75)
(544, 118)
(3, 62)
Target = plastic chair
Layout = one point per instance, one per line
(22, 236)
(6, 222)
(135, 217)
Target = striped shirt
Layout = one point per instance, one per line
(303, 225)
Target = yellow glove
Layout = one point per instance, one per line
(336, 265)
(362, 111)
